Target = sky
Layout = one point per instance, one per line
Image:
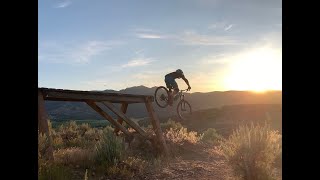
(114, 44)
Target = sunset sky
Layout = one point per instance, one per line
(113, 44)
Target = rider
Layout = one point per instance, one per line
(172, 84)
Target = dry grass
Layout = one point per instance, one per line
(75, 156)
(211, 136)
(252, 151)
(180, 136)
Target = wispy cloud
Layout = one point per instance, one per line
(220, 26)
(228, 27)
(189, 37)
(145, 33)
(138, 62)
(85, 53)
(139, 52)
(194, 38)
(150, 36)
(72, 53)
(63, 4)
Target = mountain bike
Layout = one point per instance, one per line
(161, 96)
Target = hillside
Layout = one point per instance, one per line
(199, 101)
(227, 118)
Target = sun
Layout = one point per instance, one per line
(258, 70)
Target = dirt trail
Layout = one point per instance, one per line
(197, 162)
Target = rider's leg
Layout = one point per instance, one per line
(172, 95)
(170, 100)
(175, 87)
(176, 90)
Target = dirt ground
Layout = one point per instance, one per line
(196, 162)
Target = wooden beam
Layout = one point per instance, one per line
(124, 107)
(71, 95)
(93, 105)
(126, 119)
(156, 127)
(43, 125)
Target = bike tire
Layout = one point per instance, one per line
(158, 100)
(179, 109)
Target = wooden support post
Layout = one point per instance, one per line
(124, 107)
(126, 119)
(93, 105)
(156, 127)
(43, 125)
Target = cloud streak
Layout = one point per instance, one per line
(150, 36)
(72, 53)
(63, 4)
(228, 27)
(144, 33)
(193, 38)
(190, 37)
(85, 53)
(137, 62)
(221, 26)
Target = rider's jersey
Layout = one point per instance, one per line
(175, 75)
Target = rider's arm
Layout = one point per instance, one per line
(187, 82)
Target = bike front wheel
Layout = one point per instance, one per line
(184, 109)
(161, 96)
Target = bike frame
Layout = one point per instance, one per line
(181, 95)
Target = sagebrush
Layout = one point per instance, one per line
(252, 151)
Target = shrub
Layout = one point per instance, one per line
(211, 136)
(74, 156)
(170, 124)
(181, 135)
(72, 135)
(251, 151)
(83, 128)
(51, 171)
(57, 142)
(42, 144)
(109, 149)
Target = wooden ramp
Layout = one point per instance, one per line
(107, 99)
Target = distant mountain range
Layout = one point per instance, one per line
(77, 110)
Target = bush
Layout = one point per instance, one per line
(109, 149)
(42, 144)
(170, 124)
(181, 135)
(73, 135)
(74, 156)
(211, 136)
(252, 151)
(54, 171)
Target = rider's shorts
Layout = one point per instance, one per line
(170, 82)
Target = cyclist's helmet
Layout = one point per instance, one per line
(179, 71)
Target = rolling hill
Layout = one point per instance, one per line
(77, 110)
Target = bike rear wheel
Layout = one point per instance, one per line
(184, 109)
(161, 96)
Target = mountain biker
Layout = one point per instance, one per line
(172, 84)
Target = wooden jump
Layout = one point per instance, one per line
(107, 99)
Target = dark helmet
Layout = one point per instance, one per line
(179, 71)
